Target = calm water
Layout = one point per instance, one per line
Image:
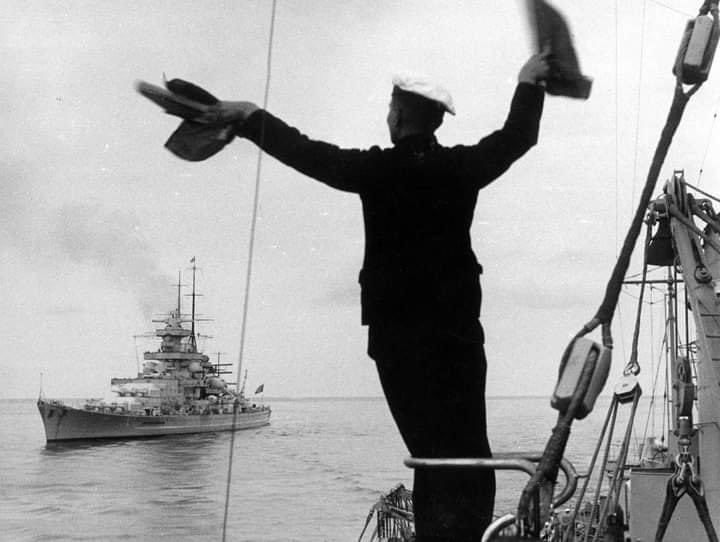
(312, 475)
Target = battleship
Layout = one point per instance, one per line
(178, 391)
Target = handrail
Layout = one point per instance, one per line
(521, 461)
(496, 526)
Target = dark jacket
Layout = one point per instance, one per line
(418, 200)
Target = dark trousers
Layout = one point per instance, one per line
(434, 383)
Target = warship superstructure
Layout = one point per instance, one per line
(178, 391)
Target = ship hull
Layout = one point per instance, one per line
(63, 422)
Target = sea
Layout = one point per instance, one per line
(313, 474)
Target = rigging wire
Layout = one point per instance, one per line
(709, 138)
(248, 275)
(672, 8)
(621, 325)
(639, 100)
(617, 129)
(703, 193)
(657, 269)
(616, 478)
(666, 391)
(637, 137)
(652, 344)
(632, 366)
(637, 298)
(256, 196)
(655, 371)
(617, 157)
(546, 470)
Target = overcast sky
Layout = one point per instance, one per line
(98, 218)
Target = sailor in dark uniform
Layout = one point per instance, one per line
(420, 287)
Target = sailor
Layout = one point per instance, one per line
(420, 290)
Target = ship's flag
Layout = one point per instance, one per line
(260, 389)
(192, 260)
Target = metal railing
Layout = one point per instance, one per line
(519, 461)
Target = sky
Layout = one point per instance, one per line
(98, 218)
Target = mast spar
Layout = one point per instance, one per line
(179, 286)
(192, 314)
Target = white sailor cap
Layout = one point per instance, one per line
(422, 86)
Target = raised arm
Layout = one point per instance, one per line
(209, 124)
(344, 169)
(491, 156)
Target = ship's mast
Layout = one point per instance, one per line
(672, 324)
(179, 287)
(692, 254)
(193, 337)
(672, 349)
(192, 315)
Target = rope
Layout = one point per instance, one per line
(639, 100)
(248, 275)
(607, 307)
(651, 407)
(703, 192)
(548, 466)
(609, 303)
(709, 139)
(601, 477)
(570, 532)
(618, 474)
(592, 523)
(633, 367)
(256, 195)
(685, 13)
(617, 124)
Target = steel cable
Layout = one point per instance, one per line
(248, 275)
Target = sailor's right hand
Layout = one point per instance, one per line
(536, 69)
(225, 112)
